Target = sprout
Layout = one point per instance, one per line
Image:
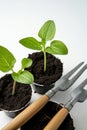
(7, 61)
(46, 33)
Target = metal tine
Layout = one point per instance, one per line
(66, 76)
(64, 83)
(78, 74)
(82, 85)
(79, 94)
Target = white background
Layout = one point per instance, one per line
(22, 18)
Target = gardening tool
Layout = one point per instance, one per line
(79, 94)
(62, 84)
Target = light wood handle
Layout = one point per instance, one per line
(57, 120)
(27, 114)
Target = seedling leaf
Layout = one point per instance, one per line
(49, 50)
(24, 77)
(26, 62)
(7, 60)
(57, 47)
(31, 43)
(47, 31)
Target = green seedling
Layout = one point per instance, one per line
(46, 33)
(7, 61)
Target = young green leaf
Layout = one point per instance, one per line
(31, 43)
(49, 50)
(7, 60)
(57, 47)
(24, 77)
(47, 31)
(26, 62)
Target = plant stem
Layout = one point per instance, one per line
(44, 51)
(44, 61)
(14, 87)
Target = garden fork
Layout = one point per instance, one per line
(62, 84)
(79, 94)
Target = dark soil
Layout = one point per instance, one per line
(53, 72)
(39, 121)
(20, 99)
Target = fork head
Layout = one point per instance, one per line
(66, 82)
(80, 94)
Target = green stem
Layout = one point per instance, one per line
(44, 51)
(44, 61)
(14, 87)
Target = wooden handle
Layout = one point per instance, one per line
(27, 114)
(57, 120)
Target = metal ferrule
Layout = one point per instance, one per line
(70, 103)
(68, 106)
(50, 93)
